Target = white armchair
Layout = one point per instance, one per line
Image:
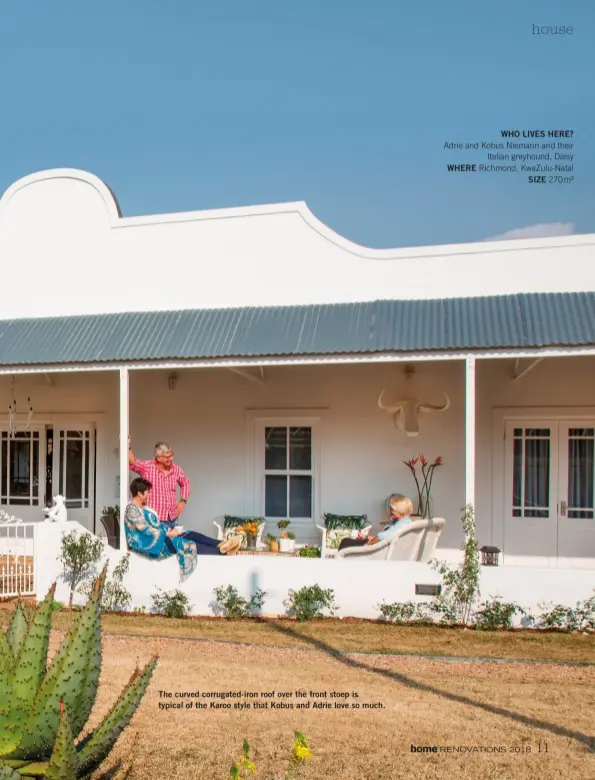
(231, 522)
(415, 542)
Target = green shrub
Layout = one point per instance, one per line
(309, 552)
(229, 603)
(309, 602)
(460, 585)
(496, 614)
(581, 618)
(80, 554)
(174, 604)
(115, 596)
(407, 612)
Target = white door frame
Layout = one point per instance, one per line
(84, 515)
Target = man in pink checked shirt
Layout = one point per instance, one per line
(165, 477)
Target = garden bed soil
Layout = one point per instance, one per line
(329, 619)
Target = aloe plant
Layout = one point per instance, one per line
(43, 709)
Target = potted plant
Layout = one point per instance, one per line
(284, 538)
(251, 531)
(424, 509)
(273, 543)
(110, 519)
(291, 541)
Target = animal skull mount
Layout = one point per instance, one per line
(406, 413)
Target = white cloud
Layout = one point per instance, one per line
(544, 230)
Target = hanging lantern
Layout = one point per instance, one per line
(489, 556)
(12, 413)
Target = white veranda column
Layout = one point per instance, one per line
(124, 428)
(470, 431)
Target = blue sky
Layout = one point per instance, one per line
(345, 104)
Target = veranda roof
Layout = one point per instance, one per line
(525, 321)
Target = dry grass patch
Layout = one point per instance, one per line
(423, 703)
(359, 636)
(353, 636)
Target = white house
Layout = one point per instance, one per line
(220, 331)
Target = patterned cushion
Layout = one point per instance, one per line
(333, 522)
(232, 522)
(335, 537)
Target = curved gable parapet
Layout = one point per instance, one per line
(72, 175)
(297, 209)
(63, 224)
(438, 250)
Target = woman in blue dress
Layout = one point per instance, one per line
(148, 536)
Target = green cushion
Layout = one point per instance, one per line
(332, 521)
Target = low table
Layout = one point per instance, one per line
(294, 554)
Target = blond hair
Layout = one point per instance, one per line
(403, 505)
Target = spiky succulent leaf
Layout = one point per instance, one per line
(65, 647)
(66, 681)
(17, 630)
(95, 747)
(11, 718)
(6, 656)
(63, 764)
(92, 670)
(35, 769)
(123, 772)
(30, 667)
(26, 677)
(6, 773)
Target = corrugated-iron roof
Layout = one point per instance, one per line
(493, 322)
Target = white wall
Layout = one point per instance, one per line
(377, 581)
(206, 421)
(58, 226)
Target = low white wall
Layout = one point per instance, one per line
(359, 586)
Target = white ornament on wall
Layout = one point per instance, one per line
(407, 412)
(58, 512)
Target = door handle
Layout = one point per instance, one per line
(563, 508)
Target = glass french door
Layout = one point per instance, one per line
(550, 478)
(576, 526)
(531, 522)
(71, 453)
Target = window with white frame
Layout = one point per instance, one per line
(531, 472)
(288, 472)
(19, 468)
(581, 473)
(74, 457)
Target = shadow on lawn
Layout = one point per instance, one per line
(561, 731)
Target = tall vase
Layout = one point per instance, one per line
(250, 542)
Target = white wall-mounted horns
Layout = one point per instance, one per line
(406, 413)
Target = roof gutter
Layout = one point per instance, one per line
(302, 360)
